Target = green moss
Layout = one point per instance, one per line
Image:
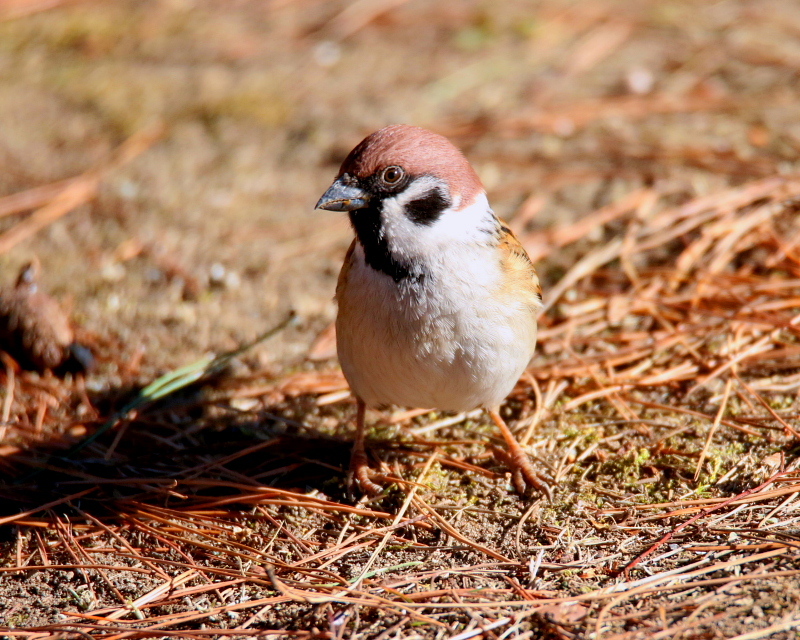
(473, 38)
(262, 106)
(18, 620)
(781, 402)
(90, 32)
(437, 478)
(571, 432)
(717, 463)
(123, 97)
(527, 27)
(627, 469)
(85, 31)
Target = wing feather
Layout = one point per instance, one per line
(521, 281)
(345, 270)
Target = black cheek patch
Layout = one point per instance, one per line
(427, 209)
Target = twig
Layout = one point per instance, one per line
(723, 405)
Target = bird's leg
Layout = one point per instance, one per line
(522, 471)
(360, 473)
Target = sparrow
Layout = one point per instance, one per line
(437, 299)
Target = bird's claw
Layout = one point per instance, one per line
(359, 478)
(523, 475)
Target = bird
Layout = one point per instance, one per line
(437, 299)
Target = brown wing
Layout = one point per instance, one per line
(521, 281)
(348, 259)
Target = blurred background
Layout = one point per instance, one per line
(241, 110)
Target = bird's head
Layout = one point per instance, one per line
(409, 191)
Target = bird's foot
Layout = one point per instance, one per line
(523, 475)
(360, 477)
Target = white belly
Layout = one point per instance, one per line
(443, 343)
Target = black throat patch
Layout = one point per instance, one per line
(368, 226)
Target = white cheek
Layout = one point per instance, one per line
(471, 224)
(412, 241)
(400, 232)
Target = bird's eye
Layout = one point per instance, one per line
(392, 175)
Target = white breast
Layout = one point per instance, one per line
(444, 342)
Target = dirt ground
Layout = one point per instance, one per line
(208, 236)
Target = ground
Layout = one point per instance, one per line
(646, 154)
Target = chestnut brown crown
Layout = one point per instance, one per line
(418, 152)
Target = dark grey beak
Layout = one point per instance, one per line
(343, 197)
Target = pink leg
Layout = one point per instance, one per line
(360, 473)
(522, 471)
